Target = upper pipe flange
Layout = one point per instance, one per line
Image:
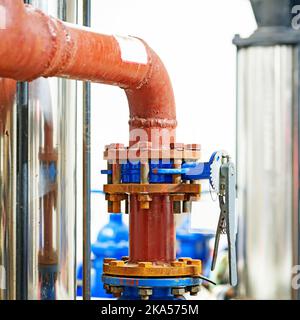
(148, 171)
(144, 150)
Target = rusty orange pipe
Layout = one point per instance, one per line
(35, 45)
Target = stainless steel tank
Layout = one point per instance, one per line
(52, 178)
(7, 189)
(268, 154)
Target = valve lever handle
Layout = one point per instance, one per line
(227, 220)
(217, 240)
(228, 171)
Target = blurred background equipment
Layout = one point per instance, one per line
(112, 241)
(195, 244)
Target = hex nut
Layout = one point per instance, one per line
(146, 264)
(117, 263)
(116, 290)
(194, 262)
(144, 205)
(185, 260)
(145, 292)
(177, 207)
(107, 288)
(194, 290)
(178, 291)
(144, 197)
(109, 260)
(177, 263)
(125, 258)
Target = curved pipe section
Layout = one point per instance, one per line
(48, 47)
(35, 45)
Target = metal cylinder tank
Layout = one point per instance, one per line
(52, 179)
(7, 189)
(268, 154)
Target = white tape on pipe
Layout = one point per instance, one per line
(132, 49)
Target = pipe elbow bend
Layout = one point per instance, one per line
(152, 103)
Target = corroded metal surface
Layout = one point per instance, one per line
(176, 268)
(138, 153)
(153, 188)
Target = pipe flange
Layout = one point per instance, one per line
(178, 268)
(144, 151)
(143, 288)
(167, 188)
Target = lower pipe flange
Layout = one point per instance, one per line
(183, 267)
(127, 288)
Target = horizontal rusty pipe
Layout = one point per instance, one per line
(36, 45)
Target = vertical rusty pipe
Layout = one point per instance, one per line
(152, 231)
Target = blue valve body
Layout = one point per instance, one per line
(161, 172)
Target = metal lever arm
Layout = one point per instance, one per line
(227, 221)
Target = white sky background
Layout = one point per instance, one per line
(194, 40)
